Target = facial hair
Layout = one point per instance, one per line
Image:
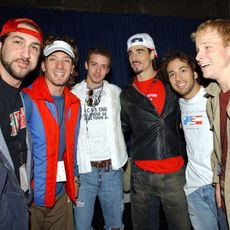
(9, 69)
(137, 72)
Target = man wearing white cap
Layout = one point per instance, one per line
(150, 111)
(52, 113)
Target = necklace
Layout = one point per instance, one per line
(91, 102)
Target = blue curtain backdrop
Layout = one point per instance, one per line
(110, 31)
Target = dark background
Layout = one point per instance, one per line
(109, 23)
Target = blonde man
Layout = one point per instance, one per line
(212, 39)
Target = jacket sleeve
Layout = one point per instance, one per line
(76, 171)
(27, 105)
(215, 167)
(124, 116)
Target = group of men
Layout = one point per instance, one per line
(62, 144)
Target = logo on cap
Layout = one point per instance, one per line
(141, 39)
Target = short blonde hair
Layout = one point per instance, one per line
(221, 26)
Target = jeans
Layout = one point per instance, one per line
(202, 208)
(149, 190)
(222, 219)
(108, 185)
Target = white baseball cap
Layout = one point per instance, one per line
(141, 39)
(58, 45)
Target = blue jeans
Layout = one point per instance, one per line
(108, 186)
(202, 208)
(149, 191)
(222, 219)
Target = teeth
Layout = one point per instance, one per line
(180, 84)
(205, 65)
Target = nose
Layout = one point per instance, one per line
(98, 69)
(25, 52)
(177, 76)
(59, 64)
(132, 57)
(199, 56)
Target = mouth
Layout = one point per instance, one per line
(205, 66)
(136, 64)
(181, 84)
(58, 74)
(23, 63)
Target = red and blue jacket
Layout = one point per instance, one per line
(44, 128)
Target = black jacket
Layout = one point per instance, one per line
(14, 202)
(154, 136)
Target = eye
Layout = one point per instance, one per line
(35, 48)
(51, 58)
(68, 61)
(105, 67)
(183, 70)
(171, 75)
(17, 42)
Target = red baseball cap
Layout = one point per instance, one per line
(12, 25)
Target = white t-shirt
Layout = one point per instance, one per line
(95, 117)
(199, 141)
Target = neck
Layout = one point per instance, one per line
(93, 85)
(54, 90)
(194, 92)
(224, 85)
(57, 92)
(8, 78)
(143, 76)
(223, 79)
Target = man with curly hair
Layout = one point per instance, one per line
(52, 116)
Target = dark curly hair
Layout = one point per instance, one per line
(175, 54)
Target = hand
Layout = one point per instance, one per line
(218, 196)
(76, 183)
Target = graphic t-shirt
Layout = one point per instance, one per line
(155, 91)
(13, 124)
(199, 141)
(95, 115)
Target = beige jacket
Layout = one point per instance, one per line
(213, 111)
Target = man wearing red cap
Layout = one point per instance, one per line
(20, 47)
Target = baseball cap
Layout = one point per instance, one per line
(14, 25)
(58, 45)
(141, 39)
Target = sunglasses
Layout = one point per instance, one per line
(93, 101)
(89, 100)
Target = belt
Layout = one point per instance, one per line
(101, 164)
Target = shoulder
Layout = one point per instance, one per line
(79, 86)
(112, 87)
(26, 98)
